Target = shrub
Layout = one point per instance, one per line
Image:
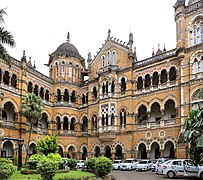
(54, 157)
(37, 157)
(90, 163)
(6, 168)
(47, 168)
(103, 166)
(72, 163)
(28, 171)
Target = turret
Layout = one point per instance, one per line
(179, 18)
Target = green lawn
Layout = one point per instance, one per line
(76, 174)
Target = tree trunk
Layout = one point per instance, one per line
(28, 144)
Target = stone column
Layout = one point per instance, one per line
(161, 153)
(162, 118)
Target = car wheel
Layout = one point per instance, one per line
(201, 175)
(171, 174)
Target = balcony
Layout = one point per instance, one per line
(107, 137)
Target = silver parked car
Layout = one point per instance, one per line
(116, 164)
(144, 165)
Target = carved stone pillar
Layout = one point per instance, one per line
(148, 154)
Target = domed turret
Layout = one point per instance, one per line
(66, 49)
(179, 3)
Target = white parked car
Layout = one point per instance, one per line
(80, 164)
(182, 167)
(116, 164)
(144, 165)
(129, 164)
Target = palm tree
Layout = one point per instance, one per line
(6, 38)
(32, 107)
(194, 132)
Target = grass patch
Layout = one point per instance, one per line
(76, 174)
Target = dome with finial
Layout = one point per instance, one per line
(67, 49)
(192, 1)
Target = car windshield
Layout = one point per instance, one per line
(127, 161)
(116, 162)
(143, 162)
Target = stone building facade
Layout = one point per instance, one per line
(117, 106)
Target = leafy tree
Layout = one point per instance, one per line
(32, 107)
(48, 145)
(6, 168)
(194, 134)
(6, 38)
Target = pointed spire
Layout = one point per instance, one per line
(130, 42)
(109, 34)
(34, 65)
(164, 50)
(159, 51)
(23, 59)
(68, 37)
(152, 51)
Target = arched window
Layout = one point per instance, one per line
(94, 92)
(57, 71)
(66, 95)
(86, 98)
(201, 66)
(155, 79)
(114, 58)
(70, 74)
(163, 76)
(201, 32)
(8, 112)
(6, 77)
(63, 72)
(83, 99)
(123, 84)
(65, 123)
(72, 124)
(103, 120)
(139, 83)
(172, 74)
(107, 119)
(107, 86)
(36, 90)
(195, 35)
(103, 89)
(142, 114)
(47, 95)
(147, 81)
(58, 95)
(29, 87)
(195, 67)
(41, 93)
(155, 112)
(108, 58)
(102, 61)
(73, 97)
(84, 124)
(169, 110)
(112, 119)
(14, 80)
(113, 86)
(44, 121)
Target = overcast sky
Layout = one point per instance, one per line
(40, 26)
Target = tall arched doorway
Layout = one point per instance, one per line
(119, 153)
(108, 152)
(60, 151)
(71, 152)
(169, 150)
(142, 152)
(155, 151)
(7, 150)
(32, 149)
(84, 153)
(96, 151)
